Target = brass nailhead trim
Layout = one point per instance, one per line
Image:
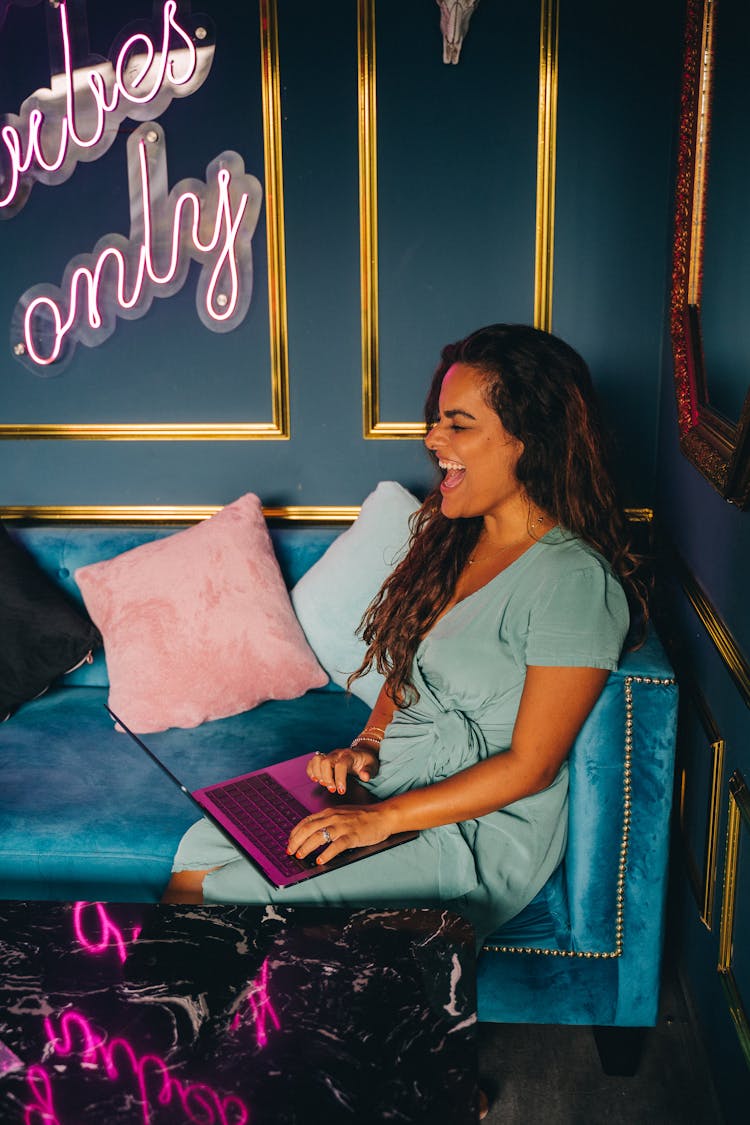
(624, 841)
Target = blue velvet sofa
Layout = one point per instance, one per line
(85, 815)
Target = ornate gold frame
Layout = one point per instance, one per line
(739, 817)
(373, 427)
(718, 448)
(703, 877)
(279, 426)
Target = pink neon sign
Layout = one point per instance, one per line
(109, 933)
(77, 117)
(261, 1008)
(117, 1060)
(212, 223)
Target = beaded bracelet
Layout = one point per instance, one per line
(361, 740)
(368, 739)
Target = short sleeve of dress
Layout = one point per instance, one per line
(579, 621)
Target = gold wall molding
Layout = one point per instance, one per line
(373, 426)
(275, 226)
(727, 647)
(279, 426)
(176, 513)
(546, 164)
(171, 513)
(738, 819)
(702, 873)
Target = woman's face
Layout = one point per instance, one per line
(475, 451)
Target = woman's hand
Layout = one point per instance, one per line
(331, 770)
(351, 826)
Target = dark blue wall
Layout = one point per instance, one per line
(708, 624)
(713, 540)
(457, 154)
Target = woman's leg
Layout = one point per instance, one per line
(210, 870)
(185, 887)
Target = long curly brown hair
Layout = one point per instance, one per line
(542, 392)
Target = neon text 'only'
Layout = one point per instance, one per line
(211, 223)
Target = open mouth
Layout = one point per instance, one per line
(454, 474)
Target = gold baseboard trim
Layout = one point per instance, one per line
(171, 513)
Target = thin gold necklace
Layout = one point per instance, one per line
(506, 546)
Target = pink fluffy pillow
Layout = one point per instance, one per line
(199, 625)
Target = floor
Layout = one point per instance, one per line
(552, 1075)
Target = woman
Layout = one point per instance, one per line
(495, 634)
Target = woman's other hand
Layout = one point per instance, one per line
(338, 830)
(331, 770)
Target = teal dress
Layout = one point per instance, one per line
(558, 604)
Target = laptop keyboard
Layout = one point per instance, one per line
(266, 812)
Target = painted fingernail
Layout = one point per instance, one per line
(331, 788)
(319, 861)
(298, 855)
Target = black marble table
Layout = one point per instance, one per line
(231, 1015)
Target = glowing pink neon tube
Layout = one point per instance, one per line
(261, 1008)
(117, 1059)
(110, 98)
(121, 277)
(109, 932)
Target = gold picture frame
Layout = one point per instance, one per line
(279, 427)
(373, 426)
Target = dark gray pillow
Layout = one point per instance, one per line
(42, 633)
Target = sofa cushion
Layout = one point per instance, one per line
(331, 598)
(198, 625)
(43, 635)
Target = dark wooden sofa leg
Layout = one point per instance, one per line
(620, 1049)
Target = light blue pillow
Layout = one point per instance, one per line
(331, 597)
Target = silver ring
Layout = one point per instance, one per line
(327, 836)
(318, 753)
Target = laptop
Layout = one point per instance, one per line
(258, 810)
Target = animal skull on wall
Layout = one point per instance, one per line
(454, 23)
